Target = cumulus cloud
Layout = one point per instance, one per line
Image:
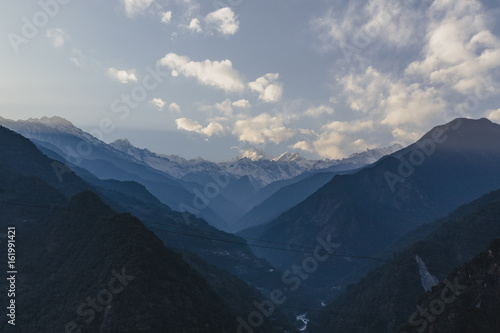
(302, 145)
(135, 7)
(174, 107)
(194, 25)
(225, 107)
(460, 49)
(392, 101)
(159, 103)
(319, 111)
(213, 128)
(56, 36)
(494, 116)
(122, 76)
(166, 17)
(242, 103)
(261, 129)
(268, 88)
(223, 20)
(218, 74)
(355, 126)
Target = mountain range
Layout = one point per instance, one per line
(76, 247)
(361, 244)
(368, 210)
(221, 193)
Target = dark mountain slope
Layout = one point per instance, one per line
(21, 155)
(367, 211)
(386, 295)
(284, 199)
(473, 305)
(102, 160)
(78, 253)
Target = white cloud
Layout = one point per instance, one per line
(135, 7)
(242, 103)
(194, 25)
(218, 74)
(56, 36)
(166, 17)
(159, 103)
(174, 107)
(460, 49)
(328, 145)
(213, 128)
(225, 107)
(392, 101)
(494, 116)
(405, 136)
(268, 88)
(362, 23)
(224, 21)
(412, 105)
(319, 110)
(302, 145)
(355, 126)
(122, 75)
(261, 129)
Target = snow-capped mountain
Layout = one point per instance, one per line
(261, 168)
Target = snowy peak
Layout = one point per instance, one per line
(254, 154)
(289, 157)
(52, 121)
(372, 155)
(122, 145)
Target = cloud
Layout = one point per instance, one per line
(460, 49)
(217, 74)
(412, 105)
(268, 88)
(174, 107)
(358, 24)
(242, 103)
(166, 17)
(302, 145)
(194, 25)
(213, 128)
(225, 107)
(392, 101)
(261, 129)
(56, 36)
(406, 136)
(122, 75)
(223, 20)
(494, 116)
(78, 58)
(355, 126)
(135, 7)
(319, 110)
(159, 103)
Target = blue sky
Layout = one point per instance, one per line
(322, 78)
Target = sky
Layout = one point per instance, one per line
(213, 78)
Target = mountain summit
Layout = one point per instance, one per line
(366, 211)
